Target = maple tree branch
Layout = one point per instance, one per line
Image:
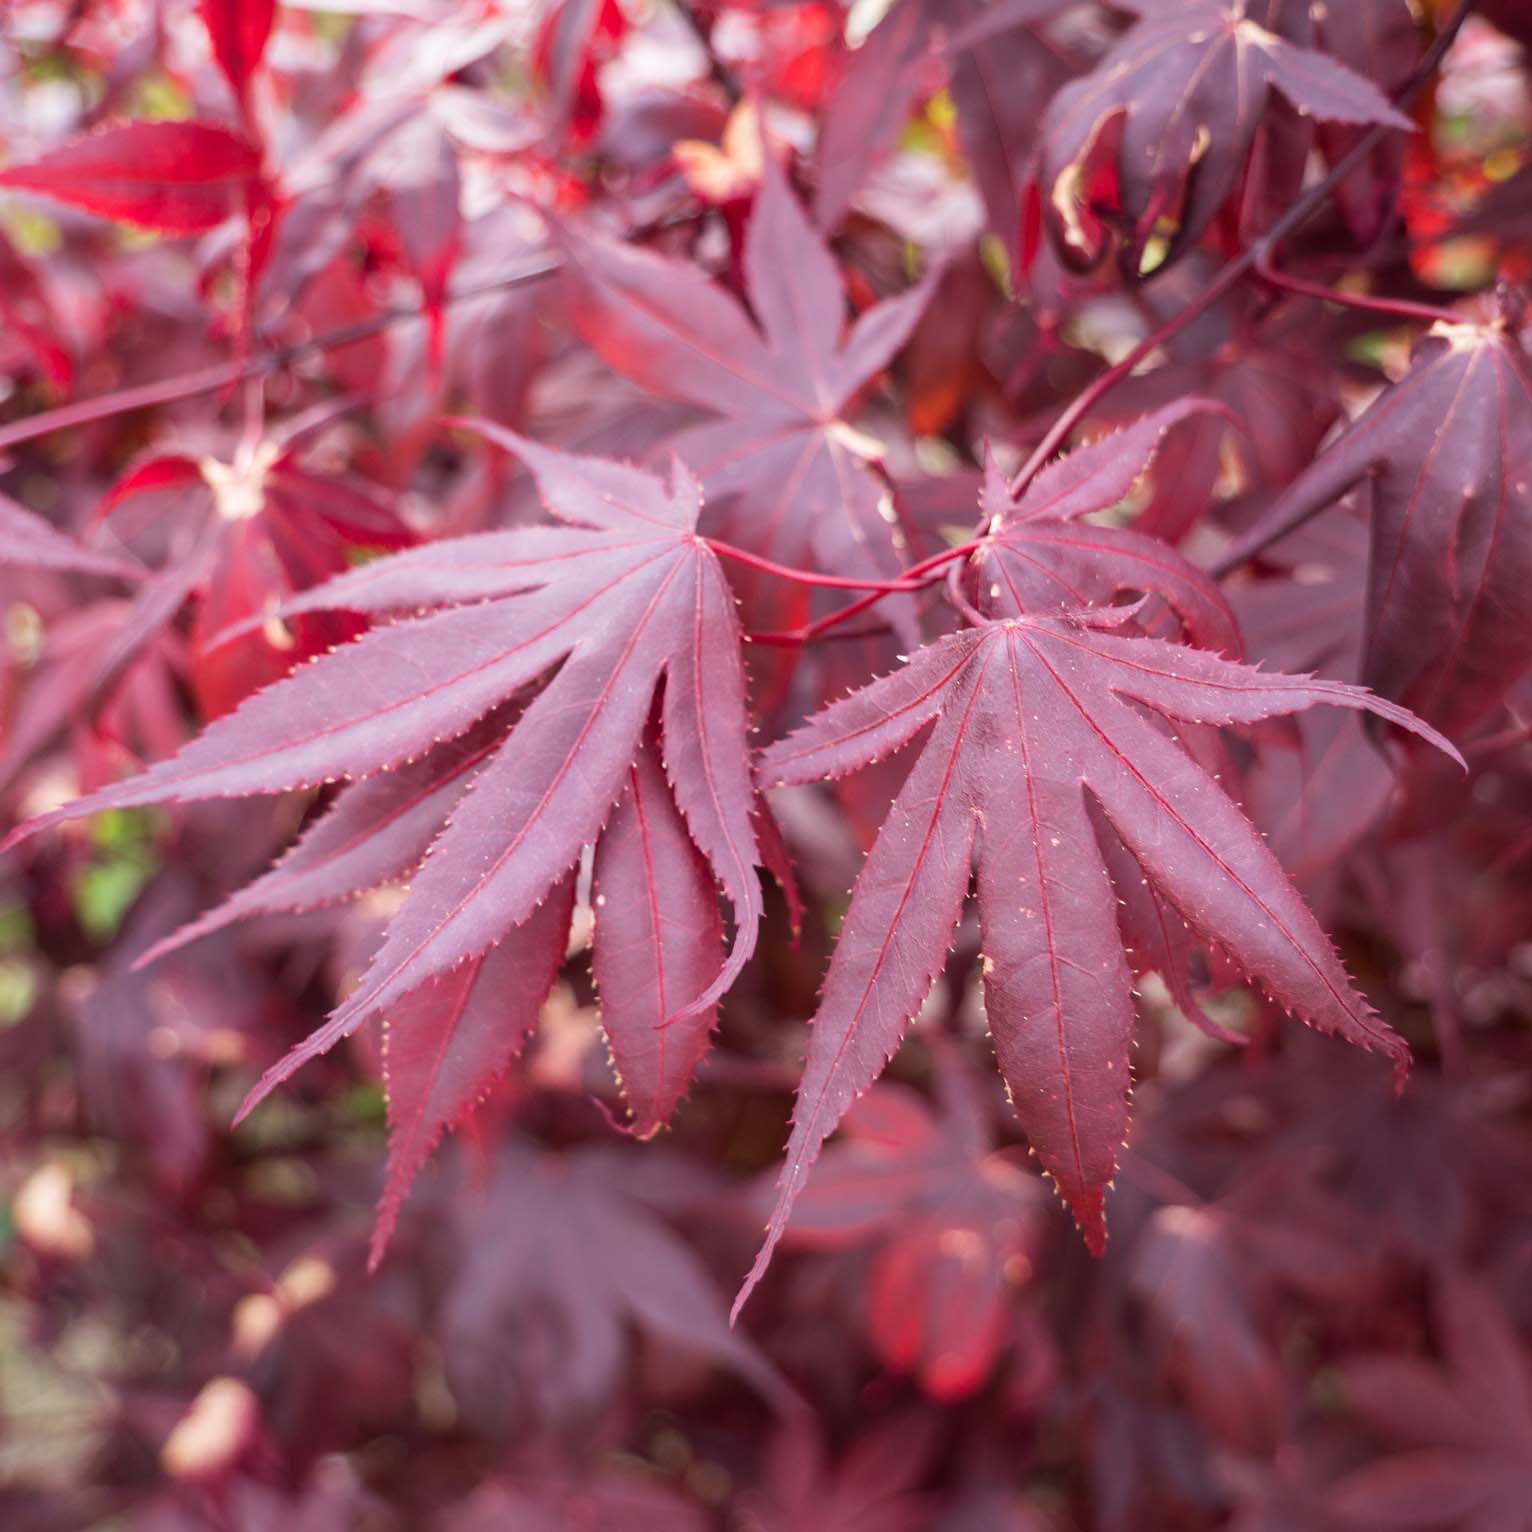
(1234, 271)
(720, 73)
(222, 375)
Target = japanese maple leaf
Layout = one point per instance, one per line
(575, 38)
(1316, 801)
(795, 479)
(175, 178)
(1032, 721)
(632, 608)
(32, 325)
(546, 1502)
(29, 542)
(140, 717)
(871, 1487)
(555, 1263)
(1273, 381)
(1039, 555)
(954, 1229)
(1159, 132)
(1464, 1429)
(1443, 458)
(250, 533)
(1379, 39)
(989, 49)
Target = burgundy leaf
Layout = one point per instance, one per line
(31, 315)
(28, 542)
(1443, 456)
(1162, 127)
(953, 1227)
(446, 1044)
(623, 597)
(1040, 556)
(376, 830)
(794, 478)
(1033, 717)
(1463, 1429)
(558, 1259)
(658, 943)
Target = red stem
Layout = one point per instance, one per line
(1392, 308)
(808, 576)
(919, 574)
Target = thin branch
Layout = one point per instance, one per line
(1389, 308)
(921, 575)
(223, 375)
(1259, 250)
(720, 73)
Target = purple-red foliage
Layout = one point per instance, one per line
(893, 595)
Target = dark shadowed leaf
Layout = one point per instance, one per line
(1463, 1429)
(1443, 456)
(796, 480)
(1157, 135)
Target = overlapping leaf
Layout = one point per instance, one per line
(794, 478)
(246, 535)
(1031, 721)
(1443, 455)
(239, 31)
(952, 1225)
(29, 542)
(1157, 135)
(630, 610)
(537, 1317)
(1463, 1430)
(1041, 556)
(1316, 801)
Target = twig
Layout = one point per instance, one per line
(1389, 308)
(720, 73)
(223, 375)
(920, 575)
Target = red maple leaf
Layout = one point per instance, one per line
(954, 1227)
(794, 480)
(1031, 720)
(1464, 1428)
(639, 739)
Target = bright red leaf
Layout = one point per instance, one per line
(171, 177)
(239, 31)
